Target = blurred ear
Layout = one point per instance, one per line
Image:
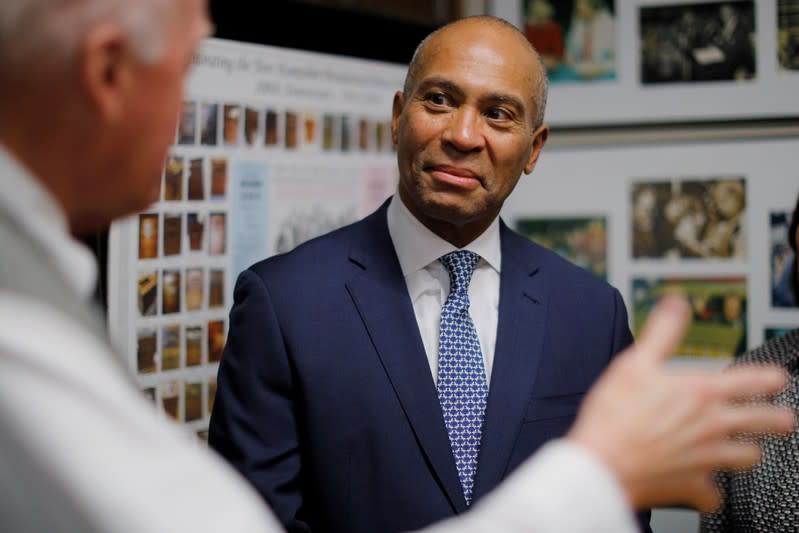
(540, 136)
(396, 111)
(106, 69)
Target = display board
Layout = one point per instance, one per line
(643, 61)
(273, 147)
(705, 218)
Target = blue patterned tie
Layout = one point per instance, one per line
(462, 386)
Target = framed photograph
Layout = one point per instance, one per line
(194, 345)
(662, 61)
(719, 308)
(781, 260)
(581, 240)
(170, 347)
(576, 40)
(147, 293)
(187, 127)
(774, 332)
(687, 218)
(148, 236)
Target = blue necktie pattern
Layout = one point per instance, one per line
(462, 386)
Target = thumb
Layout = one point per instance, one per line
(664, 329)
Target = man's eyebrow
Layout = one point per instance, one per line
(507, 99)
(441, 83)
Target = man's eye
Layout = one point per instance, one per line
(496, 113)
(437, 99)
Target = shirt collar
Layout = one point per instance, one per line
(32, 206)
(417, 246)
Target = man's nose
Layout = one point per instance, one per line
(465, 130)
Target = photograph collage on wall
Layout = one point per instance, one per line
(238, 125)
(581, 240)
(662, 61)
(181, 286)
(699, 221)
(183, 250)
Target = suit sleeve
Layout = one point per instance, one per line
(622, 339)
(253, 424)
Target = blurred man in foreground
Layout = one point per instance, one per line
(89, 99)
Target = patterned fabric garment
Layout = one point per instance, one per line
(767, 497)
(462, 386)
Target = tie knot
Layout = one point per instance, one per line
(460, 265)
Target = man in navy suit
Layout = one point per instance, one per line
(331, 389)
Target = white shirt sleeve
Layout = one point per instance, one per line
(83, 450)
(563, 487)
(88, 449)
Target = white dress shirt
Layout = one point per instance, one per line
(418, 250)
(34, 208)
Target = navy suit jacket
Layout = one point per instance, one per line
(326, 402)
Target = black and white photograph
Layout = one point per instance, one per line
(698, 42)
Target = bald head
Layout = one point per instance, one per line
(454, 33)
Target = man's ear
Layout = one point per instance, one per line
(396, 111)
(540, 136)
(105, 66)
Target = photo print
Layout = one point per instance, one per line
(774, 332)
(172, 233)
(187, 127)
(218, 178)
(195, 228)
(270, 128)
(708, 41)
(208, 124)
(194, 400)
(147, 292)
(148, 236)
(781, 260)
(194, 345)
(170, 347)
(788, 34)
(170, 398)
(576, 39)
(195, 280)
(196, 180)
(581, 240)
(173, 179)
(216, 340)
(171, 292)
(217, 233)
(231, 124)
(146, 347)
(719, 309)
(251, 126)
(689, 218)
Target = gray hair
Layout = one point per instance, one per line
(52, 29)
(540, 90)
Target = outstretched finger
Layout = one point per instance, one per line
(664, 329)
(749, 381)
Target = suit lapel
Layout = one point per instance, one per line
(520, 332)
(381, 297)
